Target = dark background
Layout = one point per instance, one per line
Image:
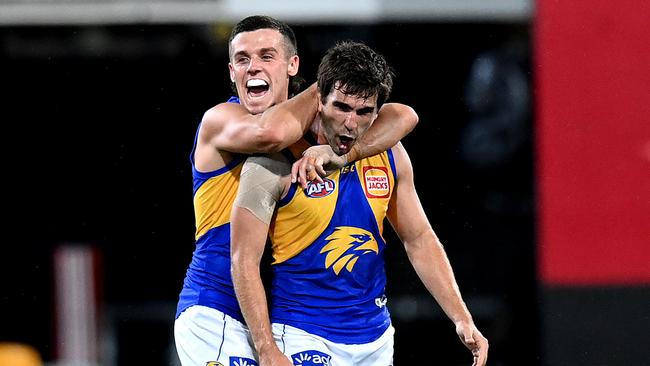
(99, 124)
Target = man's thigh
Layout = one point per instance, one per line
(307, 349)
(208, 337)
(302, 347)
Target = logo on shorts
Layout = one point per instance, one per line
(377, 183)
(311, 357)
(345, 246)
(318, 190)
(242, 361)
(381, 301)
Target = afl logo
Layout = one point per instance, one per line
(377, 183)
(318, 190)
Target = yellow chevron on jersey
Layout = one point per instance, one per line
(307, 214)
(213, 200)
(299, 223)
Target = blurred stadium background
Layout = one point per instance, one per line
(532, 159)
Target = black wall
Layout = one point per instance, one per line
(98, 124)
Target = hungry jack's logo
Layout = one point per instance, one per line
(376, 181)
(345, 245)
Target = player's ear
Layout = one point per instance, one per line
(320, 102)
(294, 63)
(231, 71)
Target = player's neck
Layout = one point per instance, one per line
(316, 131)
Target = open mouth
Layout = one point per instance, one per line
(257, 87)
(345, 142)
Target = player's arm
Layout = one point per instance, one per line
(428, 257)
(230, 127)
(260, 188)
(394, 121)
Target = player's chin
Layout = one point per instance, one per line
(342, 149)
(256, 106)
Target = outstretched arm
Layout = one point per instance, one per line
(393, 123)
(428, 257)
(259, 190)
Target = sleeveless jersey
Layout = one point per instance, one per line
(208, 281)
(329, 276)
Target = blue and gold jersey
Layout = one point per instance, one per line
(329, 276)
(208, 281)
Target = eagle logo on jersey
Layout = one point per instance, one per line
(345, 245)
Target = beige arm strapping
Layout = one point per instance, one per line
(260, 184)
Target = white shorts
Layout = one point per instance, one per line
(307, 349)
(208, 337)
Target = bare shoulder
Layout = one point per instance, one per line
(399, 152)
(217, 116)
(402, 160)
(207, 156)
